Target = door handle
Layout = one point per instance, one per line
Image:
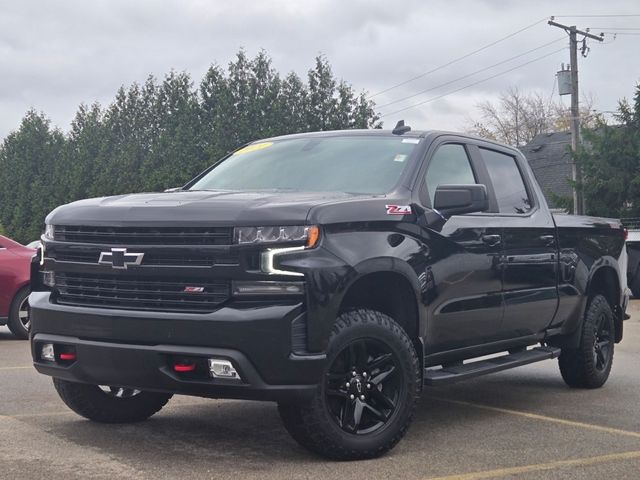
(548, 240)
(492, 240)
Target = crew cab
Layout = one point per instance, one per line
(335, 273)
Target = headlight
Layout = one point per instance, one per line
(49, 232)
(266, 235)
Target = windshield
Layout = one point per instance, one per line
(356, 164)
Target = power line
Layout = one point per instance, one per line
(472, 84)
(470, 74)
(597, 16)
(424, 74)
(622, 33)
(614, 28)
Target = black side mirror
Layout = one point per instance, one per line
(459, 199)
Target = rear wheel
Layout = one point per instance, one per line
(106, 404)
(365, 402)
(589, 365)
(20, 315)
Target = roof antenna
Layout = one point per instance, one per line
(401, 128)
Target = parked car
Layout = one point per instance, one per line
(15, 272)
(35, 244)
(633, 250)
(335, 273)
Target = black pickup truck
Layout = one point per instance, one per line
(335, 273)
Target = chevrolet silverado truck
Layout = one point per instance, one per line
(335, 273)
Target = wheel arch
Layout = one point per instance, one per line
(392, 287)
(21, 287)
(605, 281)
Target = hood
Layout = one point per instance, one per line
(196, 207)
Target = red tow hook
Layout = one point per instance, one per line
(184, 367)
(69, 356)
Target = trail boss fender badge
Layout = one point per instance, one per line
(398, 209)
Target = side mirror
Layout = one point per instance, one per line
(459, 199)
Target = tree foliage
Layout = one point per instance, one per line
(159, 134)
(610, 163)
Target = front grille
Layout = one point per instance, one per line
(144, 235)
(140, 293)
(186, 258)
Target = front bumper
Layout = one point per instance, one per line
(135, 349)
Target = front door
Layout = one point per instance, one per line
(466, 306)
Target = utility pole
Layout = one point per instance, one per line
(578, 201)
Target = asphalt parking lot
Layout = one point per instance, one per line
(524, 424)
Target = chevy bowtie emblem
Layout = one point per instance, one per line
(120, 258)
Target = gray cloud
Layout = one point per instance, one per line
(54, 55)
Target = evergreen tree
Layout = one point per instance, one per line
(323, 105)
(28, 161)
(292, 105)
(159, 135)
(611, 164)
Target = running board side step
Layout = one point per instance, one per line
(456, 372)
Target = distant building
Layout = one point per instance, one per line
(549, 155)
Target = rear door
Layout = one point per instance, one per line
(529, 244)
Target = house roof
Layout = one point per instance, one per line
(549, 155)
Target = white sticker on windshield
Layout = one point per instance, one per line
(399, 158)
(415, 141)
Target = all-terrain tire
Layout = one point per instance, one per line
(91, 402)
(312, 424)
(585, 366)
(15, 323)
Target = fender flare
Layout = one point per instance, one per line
(573, 339)
(396, 266)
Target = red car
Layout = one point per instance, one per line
(15, 270)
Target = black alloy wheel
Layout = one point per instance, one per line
(588, 364)
(365, 399)
(119, 392)
(361, 388)
(602, 343)
(107, 404)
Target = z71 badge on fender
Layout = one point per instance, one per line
(398, 209)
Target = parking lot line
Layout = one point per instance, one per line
(16, 368)
(576, 462)
(17, 416)
(535, 416)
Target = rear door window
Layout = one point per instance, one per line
(508, 184)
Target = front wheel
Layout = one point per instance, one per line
(589, 365)
(365, 402)
(110, 404)
(20, 315)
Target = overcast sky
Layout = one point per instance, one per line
(55, 55)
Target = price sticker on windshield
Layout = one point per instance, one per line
(252, 148)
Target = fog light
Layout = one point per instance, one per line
(222, 369)
(47, 353)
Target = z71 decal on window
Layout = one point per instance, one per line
(398, 209)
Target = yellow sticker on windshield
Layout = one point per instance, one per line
(253, 148)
